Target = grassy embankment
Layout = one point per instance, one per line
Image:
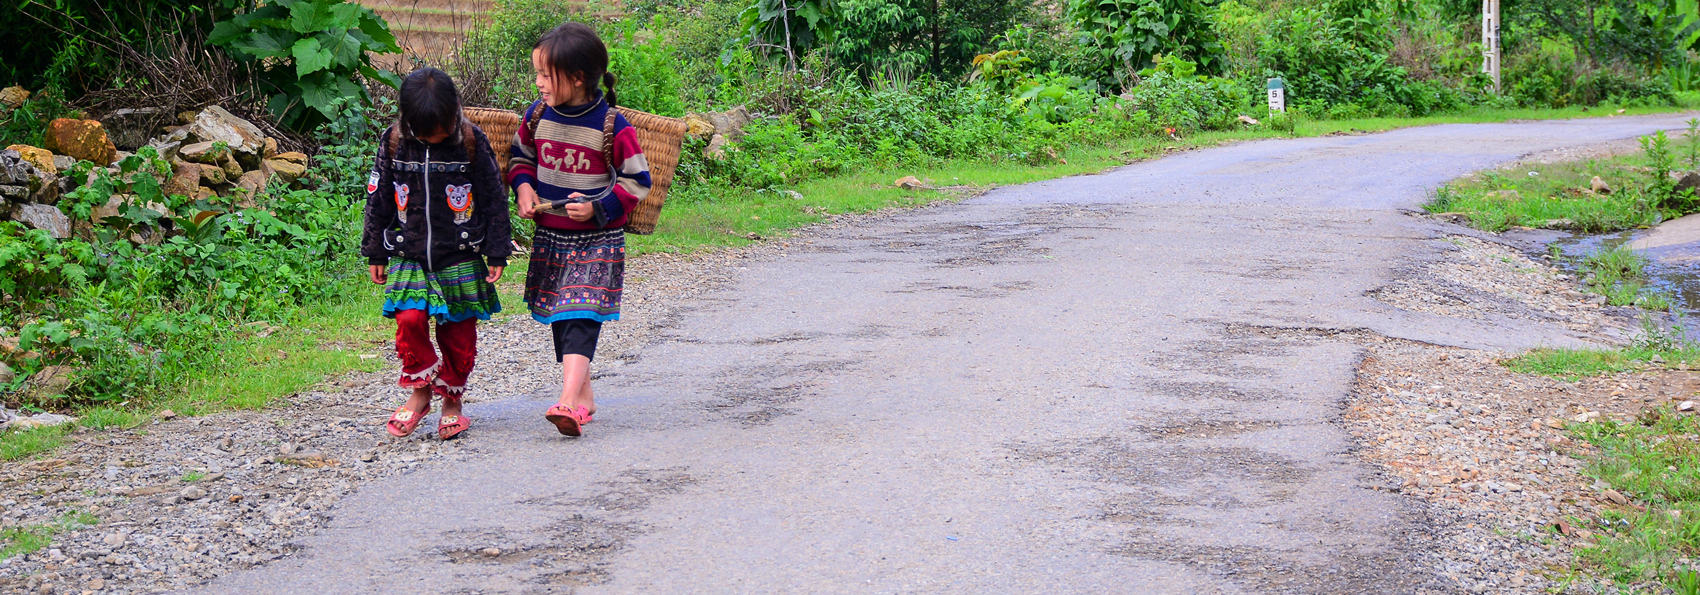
(1655, 460)
(325, 340)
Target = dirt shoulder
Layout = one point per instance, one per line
(184, 500)
(1484, 447)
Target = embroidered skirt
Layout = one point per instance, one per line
(456, 293)
(576, 274)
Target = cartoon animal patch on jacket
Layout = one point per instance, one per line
(460, 201)
(401, 196)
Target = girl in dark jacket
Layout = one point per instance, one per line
(438, 233)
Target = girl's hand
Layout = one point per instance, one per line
(527, 202)
(495, 274)
(580, 211)
(381, 273)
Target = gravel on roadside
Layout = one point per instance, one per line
(1486, 447)
(181, 501)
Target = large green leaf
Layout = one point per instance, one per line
(310, 57)
(346, 15)
(226, 32)
(383, 76)
(344, 48)
(266, 44)
(379, 31)
(319, 91)
(310, 17)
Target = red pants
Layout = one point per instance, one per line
(420, 366)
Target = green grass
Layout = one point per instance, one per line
(1655, 461)
(192, 477)
(1560, 195)
(32, 538)
(326, 340)
(19, 444)
(1619, 274)
(1570, 364)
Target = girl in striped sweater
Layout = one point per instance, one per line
(578, 171)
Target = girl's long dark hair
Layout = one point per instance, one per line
(428, 103)
(573, 48)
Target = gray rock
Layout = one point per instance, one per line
(201, 152)
(1689, 180)
(6, 374)
(131, 128)
(46, 217)
(193, 493)
(214, 124)
(64, 162)
(716, 149)
(43, 420)
(15, 171)
(14, 193)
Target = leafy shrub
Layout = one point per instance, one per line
(1002, 70)
(1336, 65)
(937, 37)
(68, 45)
(645, 65)
(136, 298)
(310, 52)
(494, 65)
(792, 27)
(1178, 98)
(1549, 73)
(1123, 36)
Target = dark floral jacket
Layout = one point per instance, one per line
(436, 204)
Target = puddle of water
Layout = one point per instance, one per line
(1672, 270)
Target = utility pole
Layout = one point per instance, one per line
(1490, 41)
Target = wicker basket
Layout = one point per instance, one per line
(499, 125)
(660, 137)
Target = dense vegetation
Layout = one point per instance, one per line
(837, 86)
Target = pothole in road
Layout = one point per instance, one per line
(1206, 428)
(758, 395)
(1192, 390)
(1273, 571)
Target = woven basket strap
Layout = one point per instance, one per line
(532, 115)
(608, 141)
(469, 139)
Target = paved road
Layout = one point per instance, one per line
(1119, 383)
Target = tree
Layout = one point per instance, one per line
(940, 37)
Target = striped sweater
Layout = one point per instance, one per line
(566, 156)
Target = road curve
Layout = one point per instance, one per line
(1115, 383)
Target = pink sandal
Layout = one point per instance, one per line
(404, 421)
(451, 425)
(568, 420)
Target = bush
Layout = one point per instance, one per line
(139, 297)
(494, 65)
(937, 37)
(309, 53)
(1338, 66)
(1178, 98)
(1123, 36)
(1549, 73)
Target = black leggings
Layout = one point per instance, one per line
(576, 336)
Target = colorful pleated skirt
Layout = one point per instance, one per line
(456, 293)
(576, 274)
